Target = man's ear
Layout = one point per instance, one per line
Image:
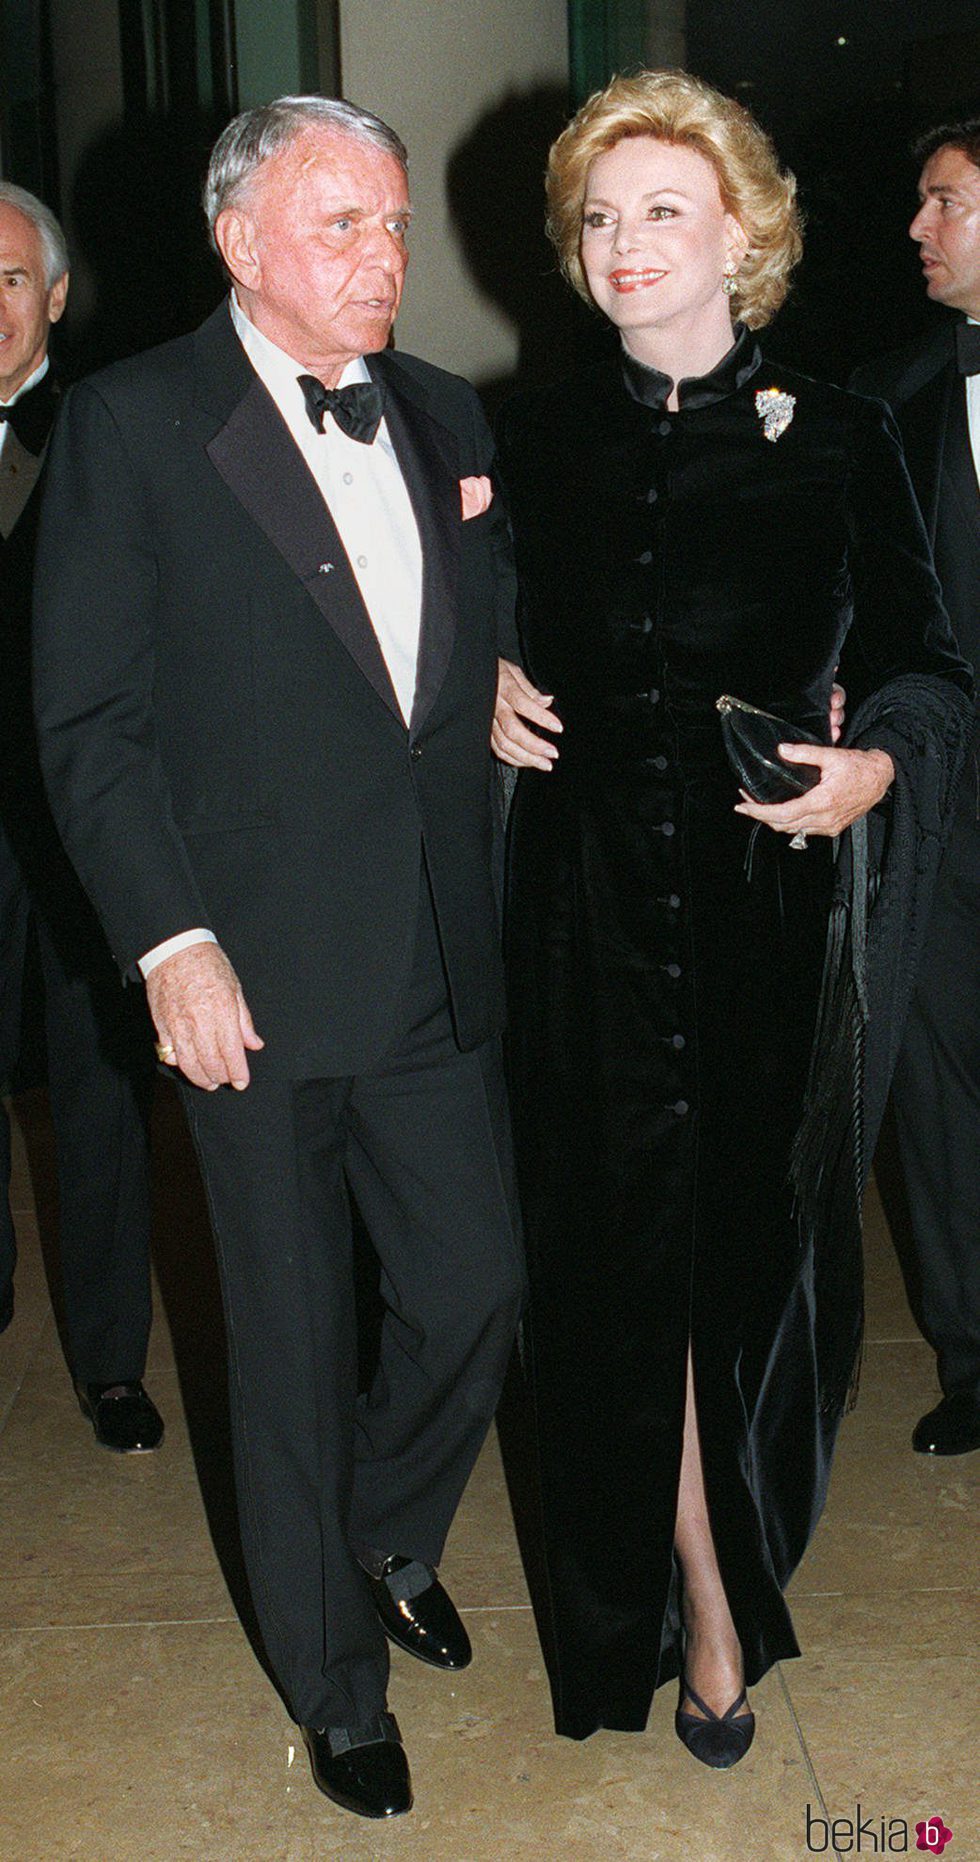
(57, 297)
(234, 234)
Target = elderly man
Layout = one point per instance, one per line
(934, 390)
(265, 685)
(99, 1058)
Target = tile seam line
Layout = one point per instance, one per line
(805, 1750)
(162, 1622)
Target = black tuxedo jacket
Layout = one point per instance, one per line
(925, 392)
(221, 740)
(31, 837)
(17, 754)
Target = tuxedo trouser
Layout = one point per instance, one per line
(422, 1141)
(936, 1098)
(100, 1077)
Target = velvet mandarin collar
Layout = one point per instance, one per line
(737, 366)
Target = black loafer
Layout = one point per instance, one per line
(952, 1428)
(123, 1416)
(362, 1768)
(419, 1615)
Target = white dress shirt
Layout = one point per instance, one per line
(19, 468)
(973, 413)
(369, 503)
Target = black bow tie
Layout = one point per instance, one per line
(968, 348)
(357, 409)
(31, 417)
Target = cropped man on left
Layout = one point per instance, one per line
(99, 1053)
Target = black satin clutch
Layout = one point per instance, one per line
(751, 738)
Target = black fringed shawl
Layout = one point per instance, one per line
(886, 869)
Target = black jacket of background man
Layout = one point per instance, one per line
(937, 1080)
(99, 1059)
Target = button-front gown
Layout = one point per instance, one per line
(664, 969)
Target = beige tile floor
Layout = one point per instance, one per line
(137, 1726)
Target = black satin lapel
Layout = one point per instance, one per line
(261, 463)
(923, 423)
(428, 456)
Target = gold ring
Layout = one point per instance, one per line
(166, 1052)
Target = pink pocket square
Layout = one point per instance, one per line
(476, 494)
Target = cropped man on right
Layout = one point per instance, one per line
(933, 388)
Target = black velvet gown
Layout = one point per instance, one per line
(664, 969)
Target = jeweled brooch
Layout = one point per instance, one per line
(775, 410)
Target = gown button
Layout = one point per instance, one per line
(645, 557)
(664, 428)
(667, 829)
(654, 695)
(673, 970)
(677, 1041)
(681, 1107)
(674, 901)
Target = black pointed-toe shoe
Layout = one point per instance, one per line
(362, 1768)
(952, 1428)
(123, 1416)
(720, 1739)
(418, 1614)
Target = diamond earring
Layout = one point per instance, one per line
(729, 281)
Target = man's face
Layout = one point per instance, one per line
(27, 307)
(947, 227)
(317, 249)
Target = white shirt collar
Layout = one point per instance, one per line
(281, 372)
(31, 382)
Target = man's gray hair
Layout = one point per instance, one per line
(54, 249)
(253, 137)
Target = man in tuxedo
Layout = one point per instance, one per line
(265, 685)
(99, 1054)
(934, 390)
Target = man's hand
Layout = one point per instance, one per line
(838, 698)
(202, 1018)
(851, 782)
(518, 699)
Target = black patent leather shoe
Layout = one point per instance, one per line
(952, 1428)
(419, 1615)
(123, 1416)
(362, 1768)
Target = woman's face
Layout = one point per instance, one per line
(656, 237)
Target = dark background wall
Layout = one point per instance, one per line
(843, 86)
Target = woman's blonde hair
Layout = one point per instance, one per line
(674, 107)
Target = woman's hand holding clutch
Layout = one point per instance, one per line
(851, 782)
(518, 700)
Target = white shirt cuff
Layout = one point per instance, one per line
(171, 946)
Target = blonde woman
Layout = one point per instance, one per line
(690, 521)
